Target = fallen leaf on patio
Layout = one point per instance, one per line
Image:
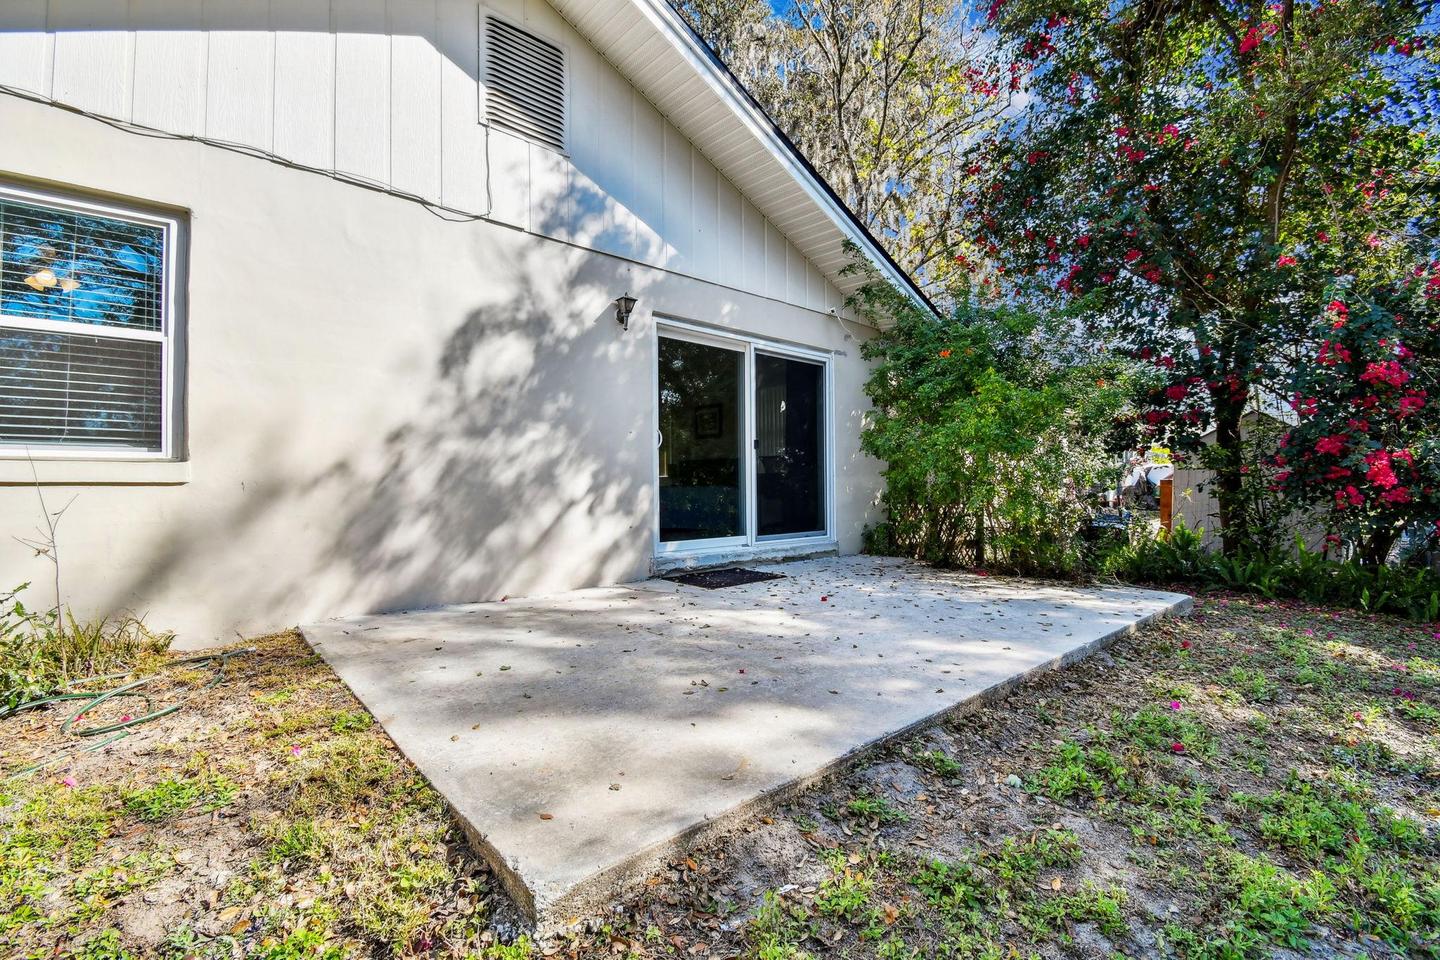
(1056, 883)
(614, 786)
(547, 816)
(890, 913)
(229, 913)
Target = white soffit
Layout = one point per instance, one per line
(652, 47)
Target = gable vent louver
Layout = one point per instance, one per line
(524, 83)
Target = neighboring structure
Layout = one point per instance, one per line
(1194, 502)
(323, 307)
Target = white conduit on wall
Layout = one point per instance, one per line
(451, 214)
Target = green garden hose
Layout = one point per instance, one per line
(93, 699)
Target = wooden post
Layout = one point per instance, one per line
(1167, 505)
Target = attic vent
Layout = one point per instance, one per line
(524, 83)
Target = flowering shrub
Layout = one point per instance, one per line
(1367, 445)
(1197, 175)
(992, 424)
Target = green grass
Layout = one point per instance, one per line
(174, 796)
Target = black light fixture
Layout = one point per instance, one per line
(623, 306)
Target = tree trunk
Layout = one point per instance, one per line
(1376, 547)
(1227, 476)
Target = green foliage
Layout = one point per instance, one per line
(938, 762)
(1079, 771)
(1156, 728)
(992, 424)
(41, 651)
(304, 944)
(1412, 592)
(845, 894)
(778, 930)
(977, 894)
(1104, 907)
(103, 946)
(1204, 176)
(176, 795)
(877, 809)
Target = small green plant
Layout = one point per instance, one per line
(1102, 906)
(173, 796)
(1251, 684)
(303, 944)
(347, 721)
(937, 762)
(103, 946)
(1082, 771)
(875, 809)
(844, 895)
(779, 929)
(1157, 728)
(41, 651)
(1420, 712)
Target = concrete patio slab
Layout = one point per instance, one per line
(584, 738)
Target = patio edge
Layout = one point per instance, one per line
(592, 896)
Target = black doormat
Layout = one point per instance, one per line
(719, 579)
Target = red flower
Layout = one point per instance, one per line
(1177, 747)
(1381, 474)
(1250, 41)
(1333, 444)
(1385, 371)
(945, 353)
(1349, 496)
(1176, 392)
(1397, 495)
(1332, 353)
(1132, 255)
(1286, 261)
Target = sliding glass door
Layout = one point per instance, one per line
(742, 442)
(702, 442)
(789, 448)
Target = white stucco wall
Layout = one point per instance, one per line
(384, 409)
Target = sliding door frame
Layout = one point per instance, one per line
(749, 345)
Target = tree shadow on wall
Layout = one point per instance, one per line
(522, 467)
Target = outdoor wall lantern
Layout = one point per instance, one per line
(623, 306)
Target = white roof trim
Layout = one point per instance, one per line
(754, 126)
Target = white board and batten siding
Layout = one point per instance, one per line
(389, 92)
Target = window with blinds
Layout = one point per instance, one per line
(524, 83)
(85, 327)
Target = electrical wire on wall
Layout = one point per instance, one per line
(447, 213)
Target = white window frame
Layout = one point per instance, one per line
(751, 346)
(168, 336)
